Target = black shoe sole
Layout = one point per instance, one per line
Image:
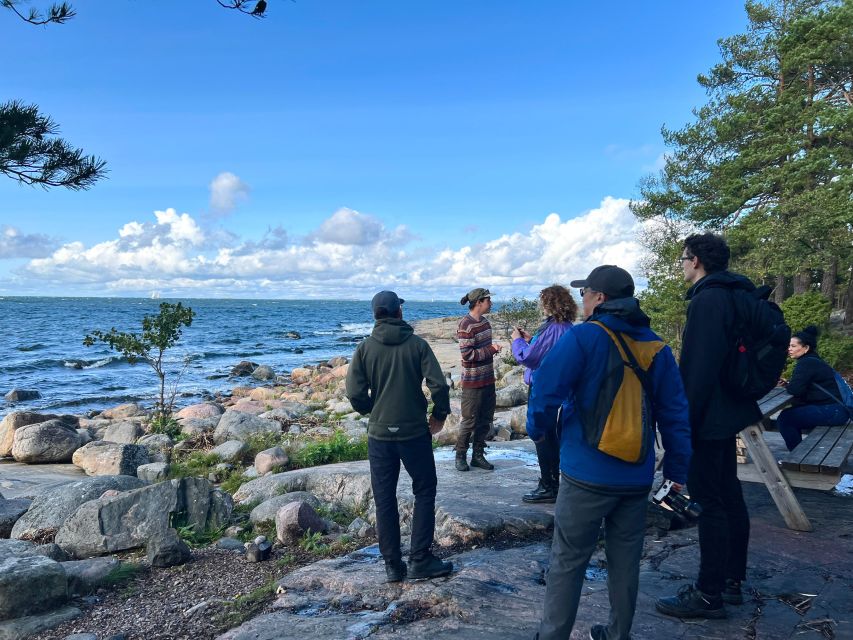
(710, 614)
(443, 574)
(733, 599)
(477, 466)
(538, 500)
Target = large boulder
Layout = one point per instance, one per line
(243, 368)
(10, 548)
(30, 584)
(287, 412)
(200, 411)
(17, 419)
(129, 520)
(301, 374)
(51, 441)
(166, 549)
(294, 520)
(230, 451)
(191, 427)
(153, 472)
(22, 395)
(122, 411)
(87, 576)
(52, 507)
(265, 512)
(158, 445)
(237, 425)
(101, 458)
(518, 420)
(269, 459)
(512, 395)
(263, 372)
(124, 432)
(10, 512)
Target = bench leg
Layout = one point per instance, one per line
(774, 480)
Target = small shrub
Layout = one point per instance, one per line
(335, 448)
(514, 313)
(313, 542)
(285, 561)
(121, 574)
(195, 539)
(244, 606)
(233, 481)
(197, 464)
(338, 514)
(260, 442)
(166, 425)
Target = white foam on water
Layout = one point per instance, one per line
(845, 486)
(357, 328)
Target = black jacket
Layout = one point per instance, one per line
(809, 371)
(715, 413)
(384, 379)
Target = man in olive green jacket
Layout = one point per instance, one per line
(384, 379)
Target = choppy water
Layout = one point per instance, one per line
(41, 345)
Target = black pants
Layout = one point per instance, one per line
(548, 450)
(478, 411)
(385, 457)
(724, 523)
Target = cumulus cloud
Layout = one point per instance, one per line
(226, 192)
(14, 244)
(349, 255)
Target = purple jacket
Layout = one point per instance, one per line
(531, 355)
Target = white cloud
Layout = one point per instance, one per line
(226, 192)
(350, 227)
(14, 244)
(350, 255)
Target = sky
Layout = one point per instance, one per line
(336, 148)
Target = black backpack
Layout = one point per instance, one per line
(759, 350)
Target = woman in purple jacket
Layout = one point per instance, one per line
(560, 309)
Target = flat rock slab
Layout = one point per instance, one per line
(31, 626)
(469, 506)
(19, 480)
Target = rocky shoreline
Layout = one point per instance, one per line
(231, 517)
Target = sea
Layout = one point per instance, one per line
(41, 346)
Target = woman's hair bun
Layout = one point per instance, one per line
(464, 300)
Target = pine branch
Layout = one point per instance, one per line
(57, 14)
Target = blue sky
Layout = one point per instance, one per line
(351, 145)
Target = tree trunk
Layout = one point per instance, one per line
(802, 281)
(827, 282)
(848, 308)
(779, 292)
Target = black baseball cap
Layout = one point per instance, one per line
(612, 281)
(386, 304)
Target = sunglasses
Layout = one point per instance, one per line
(584, 291)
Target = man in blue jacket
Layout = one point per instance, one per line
(597, 486)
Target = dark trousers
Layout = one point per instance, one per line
(548, 450)
(577, 521)
(385, 457)
(478, 411)
(791, 422)
(724, 523)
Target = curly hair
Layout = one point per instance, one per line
(557, 301)
(711, 249)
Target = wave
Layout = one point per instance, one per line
(359, 328)
(31, 347)
(93, 364)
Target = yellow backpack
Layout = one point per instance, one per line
(620, 423)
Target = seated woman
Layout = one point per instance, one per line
(560, 309)
(813, 406)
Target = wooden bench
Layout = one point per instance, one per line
(815, 464)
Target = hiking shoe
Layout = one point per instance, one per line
(732, 593)
(691, 603)
(598, 632)
(462, 464)
(479, 460)
(543, 493)
(429, 567)
(395, 571)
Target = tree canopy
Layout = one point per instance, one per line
(768, 160)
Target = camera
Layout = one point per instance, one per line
(668, 496)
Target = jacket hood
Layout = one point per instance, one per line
(621, 314)
(391, 331)
(725, 279)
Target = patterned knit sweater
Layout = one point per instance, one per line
(475, 343)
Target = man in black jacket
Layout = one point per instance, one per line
(716, 416)
(384, 379)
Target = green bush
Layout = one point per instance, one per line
(807, 308)
(517, 312)
(197, 464)
(167, 425)
(260, 442)
(836, 349)
(335, 448)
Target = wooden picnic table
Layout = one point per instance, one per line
(815, 464)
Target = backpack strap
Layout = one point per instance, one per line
(629, 359)
(836, 401)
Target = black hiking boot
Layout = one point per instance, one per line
(692, 603)
(544, 493)
(461, 462)
(732, 593)
(429, 567)
(394, 571)
(479, 460)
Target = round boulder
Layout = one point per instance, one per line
(200, 411)
(294, 520)
(51, 441)
(101, 458)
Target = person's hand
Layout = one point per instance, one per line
(435, 425)
(676, 486)
(782, 383)
(496, 347)
(527, 337)
(516, 333)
